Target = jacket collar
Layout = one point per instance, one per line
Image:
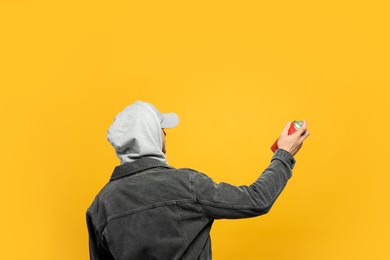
(136, 166)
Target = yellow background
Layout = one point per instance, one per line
(235, 72)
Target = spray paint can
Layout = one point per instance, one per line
(295, 125)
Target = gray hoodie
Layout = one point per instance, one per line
(136, 133)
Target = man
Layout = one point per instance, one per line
(151, 210)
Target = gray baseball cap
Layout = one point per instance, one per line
(167, 120)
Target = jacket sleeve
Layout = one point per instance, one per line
(93, 243)
(98, 249)
(224, 200)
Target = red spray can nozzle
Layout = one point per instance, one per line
(295, 126)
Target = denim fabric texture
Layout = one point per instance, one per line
(150, 210)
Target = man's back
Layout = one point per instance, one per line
(148, 211)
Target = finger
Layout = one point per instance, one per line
(285, 129)
(297, 148)
(304, 136)
(302, 130)
(304, 126)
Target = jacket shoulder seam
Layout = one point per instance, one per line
(192, 189)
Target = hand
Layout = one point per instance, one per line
(292, 143)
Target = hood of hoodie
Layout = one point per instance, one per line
(135, 133)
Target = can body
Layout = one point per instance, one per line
(295, 125)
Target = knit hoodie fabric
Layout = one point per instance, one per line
(135, 133)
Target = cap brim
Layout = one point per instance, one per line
(170, 120)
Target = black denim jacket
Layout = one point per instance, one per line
(150, 210)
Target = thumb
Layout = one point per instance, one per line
(285, 129)
(301, 131)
